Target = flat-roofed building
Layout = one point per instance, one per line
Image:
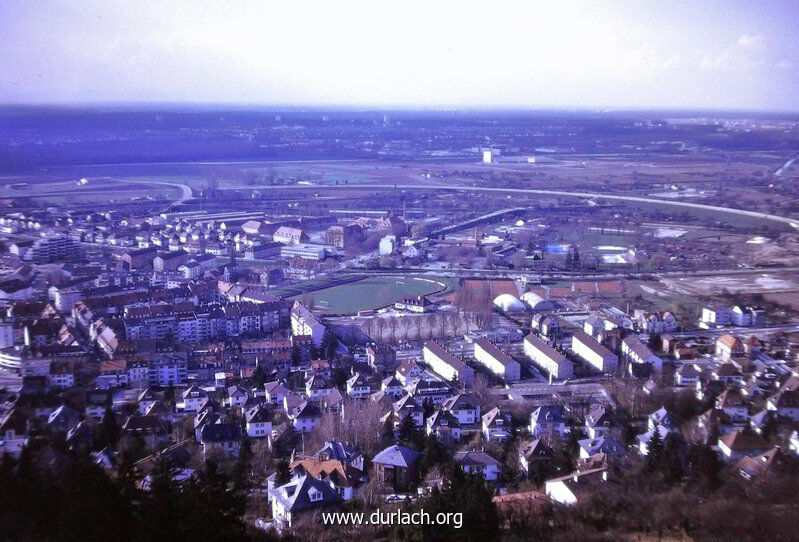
(497, 361)
(446, 364)
(309, 252)
(546, 357)
(593, 353)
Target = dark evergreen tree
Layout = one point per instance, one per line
(259, 377)
(654, 453)
(216, 509)
(387, 433)
(469, 496)
(429, 407)
(671, 461)
(406, 429)
(241, 468)
(704, 468)
(283, 473)
(164, 503)
(91, 505)
(108, 431)
(434, 454)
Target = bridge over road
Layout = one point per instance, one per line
(476, 221)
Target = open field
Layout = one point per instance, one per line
(763, 283)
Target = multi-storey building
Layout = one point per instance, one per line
(546, 357)
(497, 361)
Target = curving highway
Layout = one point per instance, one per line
(794, 223)
(185, 191)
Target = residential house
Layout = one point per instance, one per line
(548, 421)
(567, 490)
(601, 445)
(408, 371)
(392, 386)
(768, 462)
(729, 374)
(397, 467)
(223, 437)
(599, 421)
(194, 398)
(732, 403)
(408, 406)
(237, 396)
(14, 433)
(358, 387)
(686, 374)
(381, 357)
(258, 421)
(645, 438)
(444, 426)
(434, 390)
(533, 452)
(465, 407)
(785, 404)
(340, 451)
(479, 463)
(741, 443)
(299, 496)
(729, 346)
(276, 392)
(317, 386)
(496, 425)
(343, 478)
(305, 417)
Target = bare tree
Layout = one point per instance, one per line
(380, 324)
(369, 327)
(393, 324)
(417, 325)
(405, 323)
(438, 324)
(361, 427)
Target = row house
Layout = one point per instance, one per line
(547, 358)
(446, 364)
(592, 352)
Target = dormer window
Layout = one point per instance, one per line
(314, 495)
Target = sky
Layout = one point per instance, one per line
(636, 54)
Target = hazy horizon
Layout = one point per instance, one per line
(711, 56)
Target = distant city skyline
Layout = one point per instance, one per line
(723, 55)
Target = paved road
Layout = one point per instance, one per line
(783, 168)
(10, 381)
(466, 188)
(790, 327)
(185, 191)
(560, 275)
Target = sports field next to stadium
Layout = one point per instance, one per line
(372, 293)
